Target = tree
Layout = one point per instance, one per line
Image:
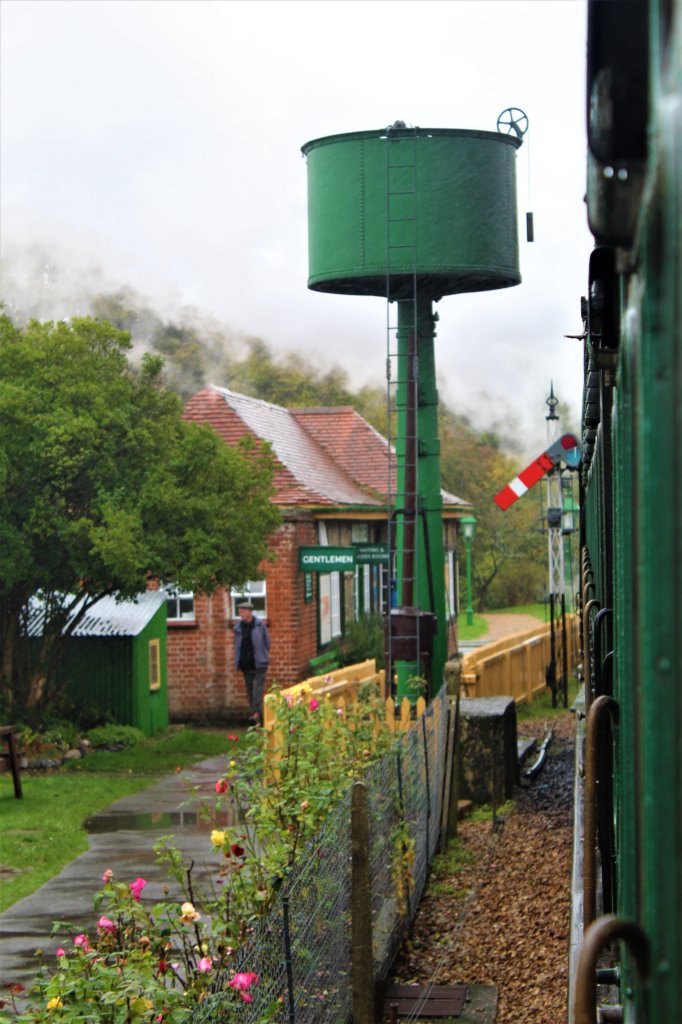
(104, 488)
(509, 552)
(290, 381)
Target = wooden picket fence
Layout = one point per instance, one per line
(516, 665)
(341, 688)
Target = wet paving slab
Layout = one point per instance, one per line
(121, 837)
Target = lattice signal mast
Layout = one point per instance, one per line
(563, 449)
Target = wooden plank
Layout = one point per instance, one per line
(426, 1001)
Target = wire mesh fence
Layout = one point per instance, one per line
(302, 951)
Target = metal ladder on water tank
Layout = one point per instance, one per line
(401, 283)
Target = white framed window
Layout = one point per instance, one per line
(451, 584)
(254, 591)
(329, 598)
(179, 605)
(362, 591)
(336, 603)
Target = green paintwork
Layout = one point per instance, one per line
(413, 215)
(646, 528)
(111, 674)
(326, 559)
(462, 185)
(429, 496)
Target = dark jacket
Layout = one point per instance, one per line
(260, 639)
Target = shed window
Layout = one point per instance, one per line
(154, 665)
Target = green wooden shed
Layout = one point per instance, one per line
(115, 662)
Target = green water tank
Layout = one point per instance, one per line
(385, 205)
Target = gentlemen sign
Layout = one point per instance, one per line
(326, 559)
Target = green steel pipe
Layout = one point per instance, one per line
(470, 607)
(416, 359)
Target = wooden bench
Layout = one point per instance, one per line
(8, 734)
(324, 663)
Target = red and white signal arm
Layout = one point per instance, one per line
(566, 448)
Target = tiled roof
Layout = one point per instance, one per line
(325, 456)
(357, 447)
(305, 473)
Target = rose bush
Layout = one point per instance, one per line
(156, 963)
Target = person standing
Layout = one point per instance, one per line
(252, 657)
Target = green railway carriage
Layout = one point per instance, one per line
(628, 893)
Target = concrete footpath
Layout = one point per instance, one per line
(122, 837)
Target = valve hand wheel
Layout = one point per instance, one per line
(513, 121)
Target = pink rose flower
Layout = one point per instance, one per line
(105, 924)
(242, 982)
(108, 875)
(82, 940)
(204, 964)
(60, 952)
(313, 704)
(136, 887)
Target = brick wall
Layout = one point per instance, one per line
(203, 685)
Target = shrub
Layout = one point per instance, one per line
(115, 736)
(364, 639)
(139, 963)
(62, 735)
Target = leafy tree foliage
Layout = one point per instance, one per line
(510, 552)
(103, 487)
(193, 349)
(510, 556)
(289, 381)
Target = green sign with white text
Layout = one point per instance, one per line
(326, 559)
(371, 554)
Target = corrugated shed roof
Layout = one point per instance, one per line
(107, 617)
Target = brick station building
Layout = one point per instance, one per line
(331, 478)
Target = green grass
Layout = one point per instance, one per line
(540, 611)
(478, 628)
(542, 704)
(159, 754)
(445, 865)
(43, 832)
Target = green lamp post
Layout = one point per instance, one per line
(468, 527)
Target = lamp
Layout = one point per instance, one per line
(468, 524)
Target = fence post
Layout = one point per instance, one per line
(291, 1016)
(362, 959)
(448, 826)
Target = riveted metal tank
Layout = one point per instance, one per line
(438, 202)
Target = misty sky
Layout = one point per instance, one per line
(157, 145)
